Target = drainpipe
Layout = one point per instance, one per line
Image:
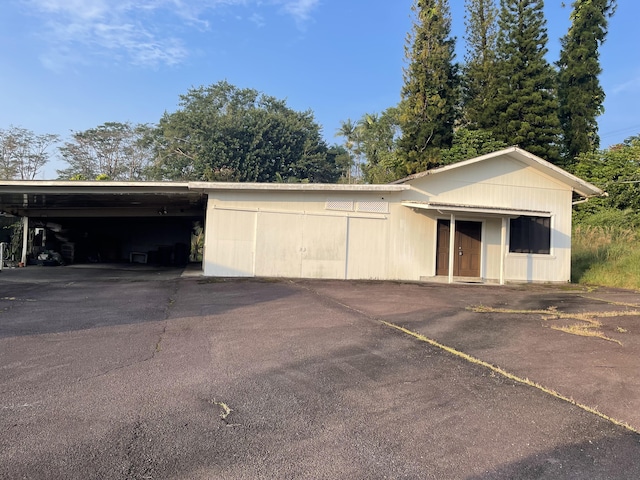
(25, 239)
(1, 255)
(452, 243)
(503, 249)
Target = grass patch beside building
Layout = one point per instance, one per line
(607, 256)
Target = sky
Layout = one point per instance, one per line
(71, 65)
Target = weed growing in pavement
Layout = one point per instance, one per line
(225, 409)
(510, 376)
(588, 326)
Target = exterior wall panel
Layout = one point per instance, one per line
(368, 251)
(230, 241)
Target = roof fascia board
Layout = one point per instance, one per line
(97, 187)
(295, 187)
(577, 184)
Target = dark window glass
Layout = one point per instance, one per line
(530, 235)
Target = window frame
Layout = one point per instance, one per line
(533, 237)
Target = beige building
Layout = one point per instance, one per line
(501, 217)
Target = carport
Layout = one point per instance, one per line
(106, 222)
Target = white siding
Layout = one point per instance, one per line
(230, 241)
(368, 251)
(507, 183)
(370, 235)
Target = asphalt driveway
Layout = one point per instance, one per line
(146, 374)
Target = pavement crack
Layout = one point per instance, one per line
(471, 359)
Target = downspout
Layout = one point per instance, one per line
(452, 242)
(25, 240)
(503, 249)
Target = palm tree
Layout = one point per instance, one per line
(349, 131)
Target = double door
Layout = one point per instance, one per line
(467, 247)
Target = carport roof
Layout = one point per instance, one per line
(91, 198)
(77, 198)
(316, 187)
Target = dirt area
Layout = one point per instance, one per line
(108, 375)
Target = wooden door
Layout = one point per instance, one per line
(467, 247)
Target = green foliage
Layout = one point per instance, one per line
(525, 108)
(608, 256)
(580, 95)
(428, 107)
(113, 150)
(378, 143)
(479, 76)
(349, 131)
(617, 171)
(223, 133)
(469, 143)
(23, 153)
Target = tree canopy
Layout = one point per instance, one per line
(429, 97)
(112, 151)
(525, 108)
(580, 95)
(23, 153)
(479, 75)
(224, 133)
(617, 171)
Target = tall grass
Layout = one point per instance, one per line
(608, 256)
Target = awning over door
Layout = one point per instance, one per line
(484, 210)
(451, 210)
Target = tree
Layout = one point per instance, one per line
(348, 131)
(223, 133)
(378, 143)
(478, 78)
(579, 92)
(23, 153)
(468, 143)
(117, 151)
(617, 171)
(429, 98)
(525, 108)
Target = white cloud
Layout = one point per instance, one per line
(136, 31)
(631, 86)
(300, 9)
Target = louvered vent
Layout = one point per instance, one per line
(373, 207)
(336, 205)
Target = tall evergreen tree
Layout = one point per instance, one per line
(525, 109)
(428, 108)
(579, 91)
(478, 80)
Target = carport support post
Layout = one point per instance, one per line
(503, 248)
(452, 244)
(25, 239)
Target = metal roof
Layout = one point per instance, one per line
(457, 208)
(578, 185)
(62, 198)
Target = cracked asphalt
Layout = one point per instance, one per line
(144, 374)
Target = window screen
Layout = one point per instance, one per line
(530, 235)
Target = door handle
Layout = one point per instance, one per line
(460, 253)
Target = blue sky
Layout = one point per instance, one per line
(70, 65)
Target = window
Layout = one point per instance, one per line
(530, 235)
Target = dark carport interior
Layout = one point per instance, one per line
(106, 222)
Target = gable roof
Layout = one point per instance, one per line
(578, 185)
